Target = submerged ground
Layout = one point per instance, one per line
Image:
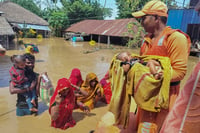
(58, 57)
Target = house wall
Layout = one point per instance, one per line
(175, 18)
(185, 20)
(180, 18)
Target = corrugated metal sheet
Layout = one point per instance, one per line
(103, 27)
(193, 3)
(180, 18)
(36, 27)
(190, 16)
(175, 18)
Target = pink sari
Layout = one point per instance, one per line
(185, 115)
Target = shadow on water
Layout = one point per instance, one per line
(42, 107)
(40, 61)
(78, 116)
(100, 104)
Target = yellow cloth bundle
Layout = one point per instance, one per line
(118, 99)
(149, 94)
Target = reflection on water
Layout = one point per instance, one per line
(57, 57)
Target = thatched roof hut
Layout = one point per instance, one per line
(5, 28)
(5, 31)
(23, 18)
(17, 14)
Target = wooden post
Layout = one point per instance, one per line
(99, 40)
(90, 37)
(7, 42)
(45, 34)
(108, 41)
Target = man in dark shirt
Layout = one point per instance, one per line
(21, 106)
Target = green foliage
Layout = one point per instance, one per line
(126, 7)
(78, 10)
(71, 11)
(136, 38)
(58, 21)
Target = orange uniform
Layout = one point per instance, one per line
(175, 45)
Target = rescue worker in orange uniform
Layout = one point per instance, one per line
(161, 40)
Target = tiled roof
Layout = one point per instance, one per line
(103, 27)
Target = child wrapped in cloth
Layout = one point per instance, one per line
(130, 76)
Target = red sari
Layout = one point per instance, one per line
(75, 77)
(65, 119)
(106, 87)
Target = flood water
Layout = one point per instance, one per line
(58, 57)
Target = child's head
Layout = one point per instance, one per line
(18, 61)
(124, 56)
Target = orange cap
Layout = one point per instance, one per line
(154, 7)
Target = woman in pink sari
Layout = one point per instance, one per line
(185, 115)
(62, 104)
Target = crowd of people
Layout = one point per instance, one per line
(151, 78)
(72, 93)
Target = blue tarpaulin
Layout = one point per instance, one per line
(35, 27)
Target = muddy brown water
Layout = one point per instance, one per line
(58, 57)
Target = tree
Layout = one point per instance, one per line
(126, 7)
(71, 12)
(136, 38)
(78, 10)
(58, 21)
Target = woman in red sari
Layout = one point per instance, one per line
(76, 78)
(62, 104)
(105, 83)
(76, 81)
